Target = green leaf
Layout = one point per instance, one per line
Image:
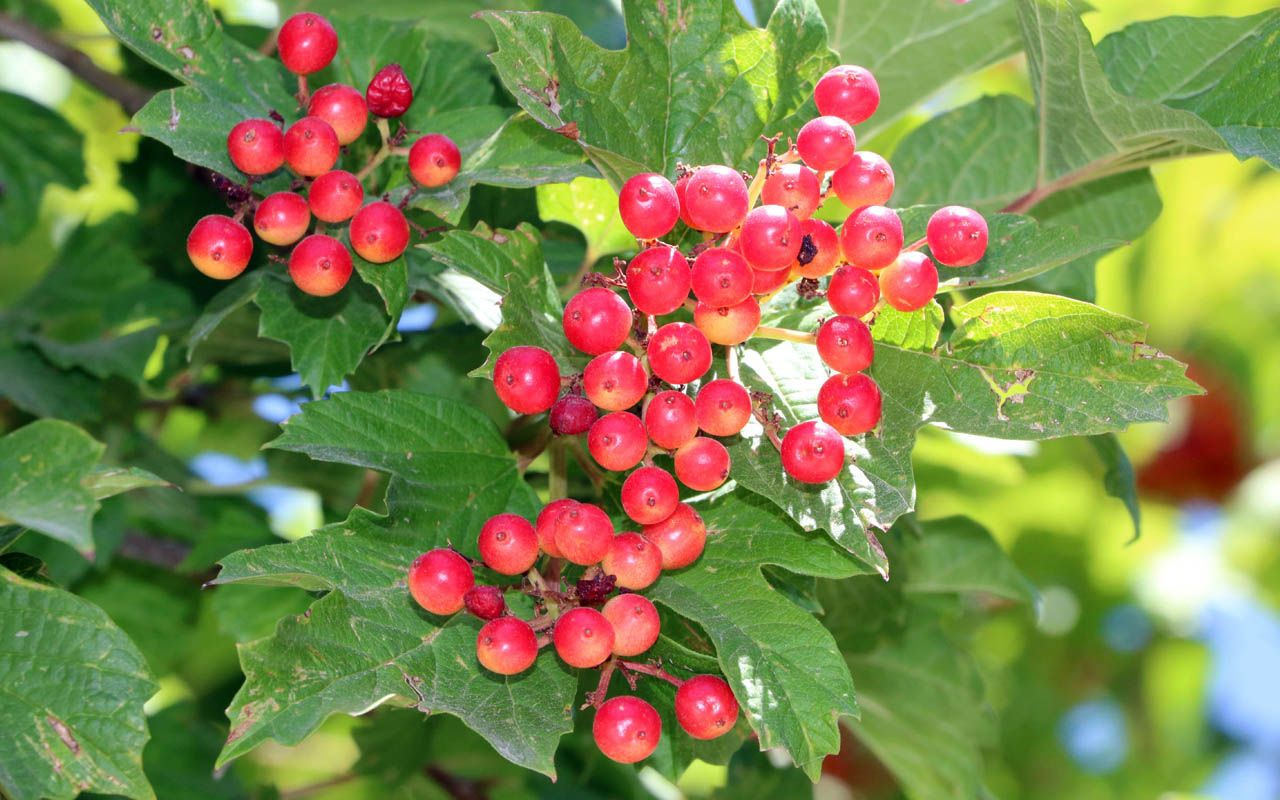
(36, 386)
(752, 776)
(591, 206)
(104, 482)
(238, 294)
(37, 147)
(1119, 479)
(183, 745)
(43, 470)
(956, 555)
(734, 82)
(77, 684)
(910, 330)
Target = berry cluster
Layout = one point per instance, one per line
(335, 116)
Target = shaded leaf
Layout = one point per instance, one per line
(37, 147)
(956, 555)
(1118, 478)
(43, 470)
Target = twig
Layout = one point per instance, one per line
(652, 670)
(596, 697)
(785, 335)
(383, 152)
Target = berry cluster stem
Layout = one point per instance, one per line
(597, 696)
(384, 130)
(654, 670)
(785, 335)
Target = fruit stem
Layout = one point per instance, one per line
(384, 130)
(652, 670)
(596, 698)
(916, 245)
(303, 95)
(558, 471)
(731, 363)
(785, 335)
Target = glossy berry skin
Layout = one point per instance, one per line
(306, 43)
(794, 187)
(679, 353)
(633, 560)
(439, 580)
(853, 291)
(572, 414)
(596, 321)
(770, 237)
(728, 324)
(826, 249)
(957, 236)
(583, 638)
(281, 218)
(320, 265)
(617, 441)
(850, 403)
(721, 277)
(627, 729)
(812, 452)
(871, 237)
(658, 280)
(867, 180)
(434, 160)
(507, 646)
(844, 344)
(342, 107)
(635, 623)
(615, 381)
(702, 464)
(526, 379)
(722, 407)
(848, 92)
(583, 533)
(826, 143)
(716, 199)
(485, 602)
(389, 93)
(335, 196)
(650, 495)
(767, 281)
(219, 247)
(379, 232)
(910, 282)
(669, 419)
(681, 537)
(311, 147)
(682, 185)
(648, 205)
(256, 146)
(706, 707)
(545, 525)
(508, 544)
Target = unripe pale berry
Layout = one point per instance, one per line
(583, 638)
(617, 441)
(306, 43)
(648, 205)
(669, 419)
(572, 414)
(823, 249)
(507, 646)
(545, 525)
(795, 188)
(844, 344)
(850, 403)
(910, 282)
(615, 381)
(389, 93)
(826, 143)
(716, 199)
(812, 452)
(871, 237)
(848, 92)
(853, 291)
(728, 324)
(627, 729)
(342, 107)
(721, 277)
(650, 495)
(485, 602)
(256, 146)
(434, 160)
(439, 580)
(681, 537)
(635, 623)
(706, 707)
(379, 232)
(722, 407)
(508, 544)
(770, 237)
(596, 321)
(766, 281)
(311, 147)
(335, 196)
(219, 246)
(679, 353)
(281, 218)
(633, 560)
(702, 464)
(867, 180)
(583, 533)
(957, 236)
(320, 265)
(526, 379)
(658, 280)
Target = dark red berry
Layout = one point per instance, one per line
(669, 418)
(728, 324)
(434, 160)
(526, 379)
(256, 146)
(844, 344)
(342, 107)
(617, 441)
(507, 646)
(723, 407)
(848, 92)
(715, 199)
(658, 280)
(650, 495)
(583, 638)
(389, 94)
(853, 291)
(627, 729)
(583, 533)
(439, 580)
(508, 544)
(596, 321)
(850, 403)
(702, 464)
(706, 707)
(572, 414)
(871, 237)
(219, 247)
(910, 282)
(826, 143)
(770, 237)
(311, 147)
(648, 205)
(812, 452)
(485, 602)
(867, 180)
(335, 196)
(633, 561)
(794, 187)
(635, 622)
(680, 537)
(306, 43)
(957, 236)
(320, 265)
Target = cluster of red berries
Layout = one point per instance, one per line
(588, 624)
(336, 115)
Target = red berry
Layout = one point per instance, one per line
(723, 407)
(507, 646)
(583, 533)
(850, 403)
(848, 92)
(389, 94)
(715, 199)
(658, 280)
(545, 525)
(633, 560)
(311, 147)
(957, 236)
(871, 237)
(844, 344)
(320, 265)
(617, 441)
(770, 237)
(669, 418)
(682, 185)
(434, 160)
(867, 180)
(526, 379)
(680, 537)
(485, 602)
(572, 414)
(307, 43)
(342, 107)
(583, 638)
(910, 282)
(508, 544)
(826, 143)
(650, 495)
(219, 247)
(813, 452)
(702, 464)
(728, 324)
(256, 146)
(627, 729)
(679, 353)
(615, 381)
(335, 196)
(721, 277)
(439, 580)
(853, 291)
(379, 232)
(648, 205)
(596, 321)
(794, 187)
(635, 622)
(281, 218)
(766, 281)
(825, 244)
(706, 707)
